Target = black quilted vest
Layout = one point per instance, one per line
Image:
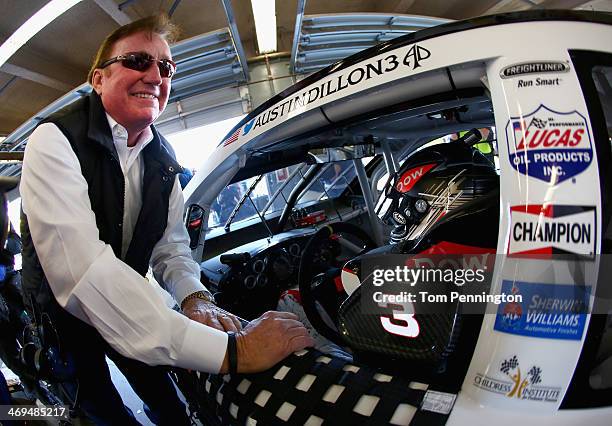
(86, 127)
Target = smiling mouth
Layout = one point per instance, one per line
(144, 96)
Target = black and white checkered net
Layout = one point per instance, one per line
(311, 388)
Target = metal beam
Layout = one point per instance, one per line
(368, 197)
(509, 6)
(111, 8)
(397, 6)
(11, 155)
(35, 77)
(562, 4)
(299, 15)
(32, 59)
(462, 10)
(231, 20)
(125, 4)
(4, 86)
(173, 8)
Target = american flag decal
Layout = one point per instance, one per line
(232, 138)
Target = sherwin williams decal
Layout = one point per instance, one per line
(552, 229)
(549, 145)
(541, 67)
(548, 311)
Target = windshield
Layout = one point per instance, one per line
(331, 182)
(269, 195)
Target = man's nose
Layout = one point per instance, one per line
(152, 75)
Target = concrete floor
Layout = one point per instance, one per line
(130, 398)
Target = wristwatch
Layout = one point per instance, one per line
(202, 294)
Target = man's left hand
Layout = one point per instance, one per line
(210, 314)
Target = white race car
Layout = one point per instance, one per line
(482, 144)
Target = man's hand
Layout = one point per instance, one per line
(210, 314)
(268, 340)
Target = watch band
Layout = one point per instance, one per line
(232, 352)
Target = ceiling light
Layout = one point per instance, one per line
(264, 13)
(32, 26)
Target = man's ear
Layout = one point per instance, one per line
(96, 80)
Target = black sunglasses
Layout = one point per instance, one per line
(141, 61)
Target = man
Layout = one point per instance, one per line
(101, 203)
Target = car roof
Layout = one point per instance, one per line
(452, 78)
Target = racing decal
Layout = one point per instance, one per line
(232, 138)
(350, 279)
(540, 67)
(441, 197)
(438, 402)
(248, 127)
(552, 229)
(548, 145)
(446, 254)
(412, 176)
(402, 321)
(412, 60)
(517, 381)
(547, 311)
(538, 82)
(448, 247)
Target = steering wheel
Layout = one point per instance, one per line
(311, 291)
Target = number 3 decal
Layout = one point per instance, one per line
(409, 326)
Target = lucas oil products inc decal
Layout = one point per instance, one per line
(552, 229)
(547, 310)
(549, 145)
(516, 380)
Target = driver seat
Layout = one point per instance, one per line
(446, 336)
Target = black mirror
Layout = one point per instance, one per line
(346, 152)
(7, 184)
(194, 222)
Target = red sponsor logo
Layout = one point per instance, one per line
(546, 138)
(458, 256)
(412, 176)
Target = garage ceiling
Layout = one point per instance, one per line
(56, 60)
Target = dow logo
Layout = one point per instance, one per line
(410, 177)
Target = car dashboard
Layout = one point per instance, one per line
(249, 279)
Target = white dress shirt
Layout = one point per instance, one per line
(86, 277)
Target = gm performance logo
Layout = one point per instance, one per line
(549, 145)
(552, 229)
